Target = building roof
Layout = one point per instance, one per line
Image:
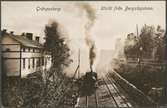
(25, 41)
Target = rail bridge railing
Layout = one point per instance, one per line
(134, 93)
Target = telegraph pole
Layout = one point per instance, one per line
(78, 63)
(137, 30)
(138, 59)
(140, 49)
(77, 71)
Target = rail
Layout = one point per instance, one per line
(122, 98)
(95, 98)
(111, 94)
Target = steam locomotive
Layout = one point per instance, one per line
(87, 84)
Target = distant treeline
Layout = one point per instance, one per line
(149, 43)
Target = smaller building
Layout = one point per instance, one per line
(23, 55)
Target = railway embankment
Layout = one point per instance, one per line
(134, 93)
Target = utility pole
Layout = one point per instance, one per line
(140, 52)
(137, 30)
(78, 63)
(77, 71)
(140, 49)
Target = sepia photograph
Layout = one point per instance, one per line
(83, 54)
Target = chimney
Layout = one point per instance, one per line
(23, 34)
(12, 33)
(29, 36)
(3, 32)
(37, 39)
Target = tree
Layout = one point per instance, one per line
(147, 40)
(55, 88)
(150, 40)
(160, 44)
(55, 43)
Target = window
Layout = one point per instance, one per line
(38, 62)
(28, 63)
(24, 49)
(24, 63)
(45, 61)
(38, 50)
(42, 61)
(33, 62)
(33, 49)
(29, 49)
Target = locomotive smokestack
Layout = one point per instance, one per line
(91, 69)
(92, 56)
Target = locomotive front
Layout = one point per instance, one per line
(88, 84)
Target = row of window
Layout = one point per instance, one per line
(34, 50)
(33, 62)
(28, 49)
(31, 50)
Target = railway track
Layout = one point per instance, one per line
(107, 95)
(118, 97)
(92, 101)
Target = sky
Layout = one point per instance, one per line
(109, 25)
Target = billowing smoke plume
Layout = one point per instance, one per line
(90, 13)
